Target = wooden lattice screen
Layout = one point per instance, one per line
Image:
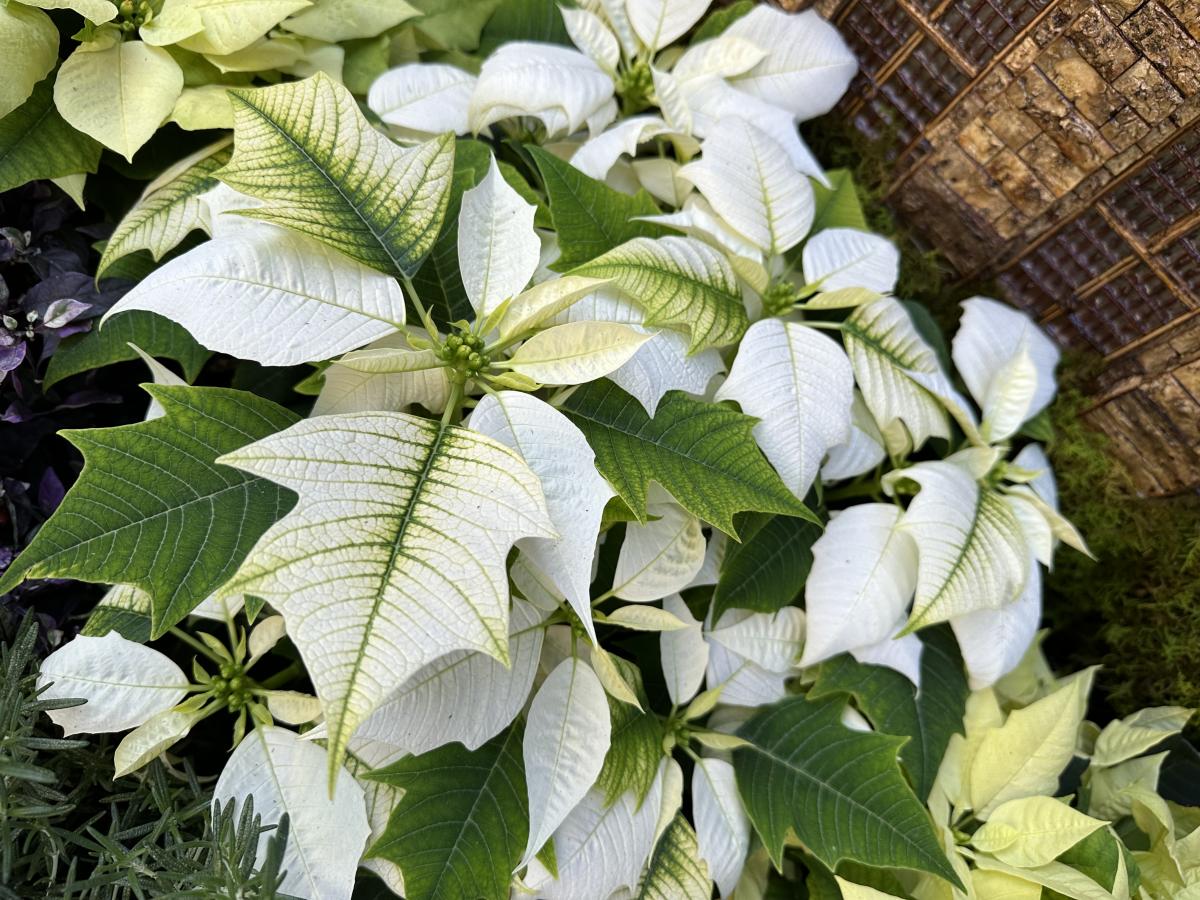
(1055, 145)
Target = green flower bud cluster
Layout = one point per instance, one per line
(232, 687)
(779, 298)
(635, 87)
(463, 353)
(134, 14)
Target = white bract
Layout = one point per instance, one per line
(327, 834)
(559, 455)
(565, 742)
(798, 383)
(561, 88)
(124, 683)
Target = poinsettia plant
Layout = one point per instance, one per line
(638, 541)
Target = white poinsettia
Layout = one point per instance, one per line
(864, 449)
(566, 739)
(752, 655)
(661, 364)
(561, 88)
(557, 452)
(498, 250)
(597, 155)
(840, 258)
(1007, 363)
(462, 696)
(862, 580)
(661, 556)
(750, 181)
(124, 683)
(423, 99)
(971, 552)
(264, 278)
(386, 375)
(799, 385)
(600, 848)
(722, 827)
(684, 653)
(993, 641)
(806, 66)
(328, 829)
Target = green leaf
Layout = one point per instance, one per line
(680, 282)
(401, 532)
(840, 791)
(454, 24)
(36, 143)
(766, 571)
(636, 749)
(463, 821)
(720, 19)
(99, 347)
(439, 282)
(928, 328)
(305, 148)
(1098, 856)
(702, 453)
(169, 208)
(838, 205)
(590, 217)
(524, 20)
(152, 507)
(928, 717)
(125, 610)
(676, 871)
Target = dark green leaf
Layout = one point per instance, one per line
(635, 750)
(125, 610)
(453, 24)
(590, 217)
(766, 571)
(36, 143)
(524, 20)
(838, 205)
(927, 717)
(840, 791)
(702, 453)
(720, 19)
(930, 330)
(159, 337)
(154, 509)
(463, 821)
(1097, 856)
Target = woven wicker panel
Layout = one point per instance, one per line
(1054, 145)
(983, 28)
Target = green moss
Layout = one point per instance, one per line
(1136, 609)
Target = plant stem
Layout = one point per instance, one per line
(820, 323)
(453, 406)
(426, 319)
(282, 677)
(196, 645)
(853, 491)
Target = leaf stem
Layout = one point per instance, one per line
(426, 319)
(281, 677)
(195, 644)
(453, 406)
(820, 323)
